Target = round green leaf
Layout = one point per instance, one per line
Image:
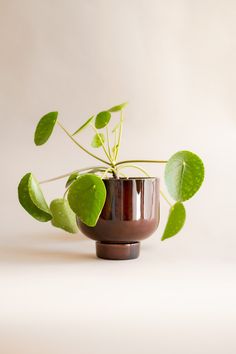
(31, 198)
(102, 119)
(45, 127)
(98, 140)
(118, 107)
(175, 220)
(184, 174)
(72, 178)
(84, 125)
(62, 216)
(86, 197)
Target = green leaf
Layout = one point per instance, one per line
(44, 128)
(84, 125)
(72, 178)
(118, 107)
(31, 198)
(102, 119)
(116, 127)
(62, 216)
(175, 220)
(98, 140)
(86, 197)
(184, 174)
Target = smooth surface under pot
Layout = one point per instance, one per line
(131, 213)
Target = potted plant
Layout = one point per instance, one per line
(102, 201)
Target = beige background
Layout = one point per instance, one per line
(174, 61)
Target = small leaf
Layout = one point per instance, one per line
(86, 197)
(116, 127)
(62, 216)
(118, 107)
(72, 178)
(98, 140)
(175, 221)
(84, 125)
(44, 128)
(184, 174)
(31, 198)
(102, 119)
(114, 149)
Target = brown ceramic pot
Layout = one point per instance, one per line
(131, 213)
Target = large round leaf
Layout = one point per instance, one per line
(62, 215)
(102, 119)
(32, 199)
(45, 127)
(83, 126)
(175, 221)
(184, 174)
(86, 197)
(98, 140)
(118, 107)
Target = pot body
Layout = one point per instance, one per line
(130, 214)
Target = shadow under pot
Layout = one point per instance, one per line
(130, 214)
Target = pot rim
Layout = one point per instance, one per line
(131, 178)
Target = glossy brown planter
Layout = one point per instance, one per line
(131, 213)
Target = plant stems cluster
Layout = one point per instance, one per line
(111, 154)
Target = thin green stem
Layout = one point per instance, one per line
(141, 161)
(103, 146)
(93, 168)
(80, 146)
(115, 143)
(120, 134)
(114, 172)
(137, 167)
(97, 170)
(124, 175)
(106, 171)
(108, 143)
(67, 190)
(165, 198)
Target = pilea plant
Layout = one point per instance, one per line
(85, 192)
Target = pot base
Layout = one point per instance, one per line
(117, 251)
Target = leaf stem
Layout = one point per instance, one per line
(165, 198)
(66, 191)
(80, 146)
(115, 146)
(103, 146)
(122, 174)
(108, 143)
(141, 161)
(137, 167)
(120, 134)
(94, 168)
(105, 172)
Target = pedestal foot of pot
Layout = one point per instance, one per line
(117, 251)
